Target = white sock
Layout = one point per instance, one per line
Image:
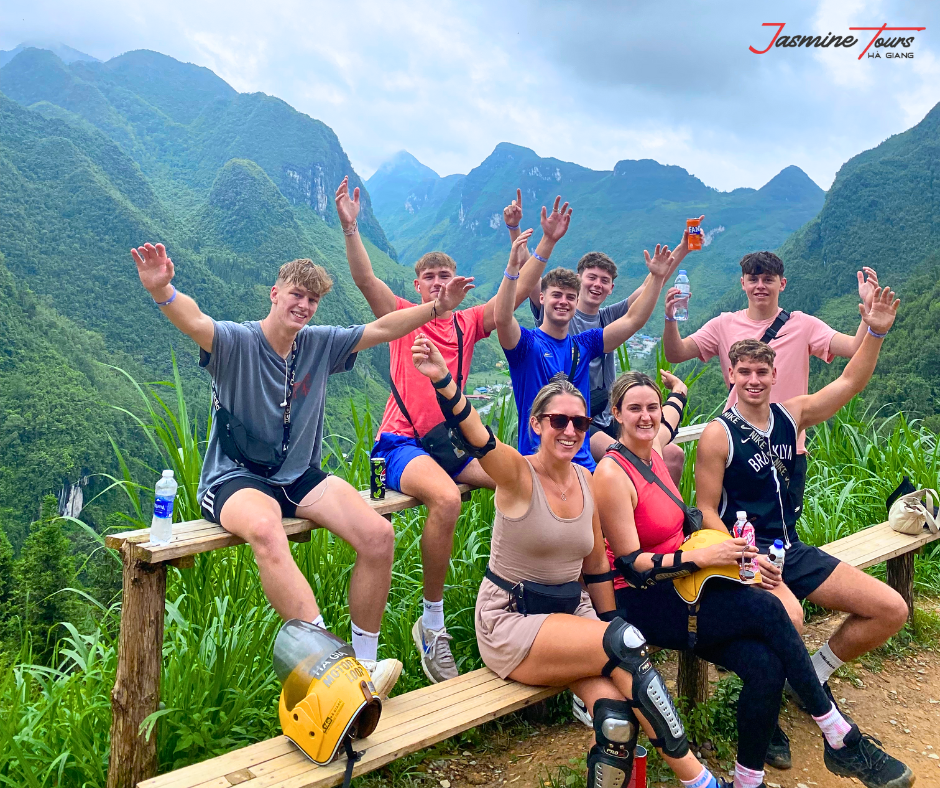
(318, 621)
(826, 663)
(365, 644)
(433, 617)
(834, 727)
(747, 778)
(705, 780)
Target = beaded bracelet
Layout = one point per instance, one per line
(510, 276)
(876, 335)
(352, 230)
(173, 298)
(539, 257)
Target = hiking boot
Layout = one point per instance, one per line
(434, 647)
(384, 674)
(863, 758)
(580, 711)
(778, 751)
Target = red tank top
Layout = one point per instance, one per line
(658, 519)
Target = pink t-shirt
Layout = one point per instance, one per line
(415, 389)
(802, 336)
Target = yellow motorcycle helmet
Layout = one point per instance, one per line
(690, 587)
(327, 695)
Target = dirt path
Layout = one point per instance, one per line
(898, 703)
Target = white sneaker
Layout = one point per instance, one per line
(580, 712)
(384, 674)
(434, 647)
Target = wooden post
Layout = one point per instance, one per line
(691, 679)
(136, 692)
(901, 579)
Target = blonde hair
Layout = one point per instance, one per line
(435, 260)
(307, 274)
(551, 390)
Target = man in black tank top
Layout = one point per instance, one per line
(744, 461)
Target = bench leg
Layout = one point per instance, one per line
(136, 692)
(692, 679)
(901, 579)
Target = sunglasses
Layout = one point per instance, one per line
(559, 421)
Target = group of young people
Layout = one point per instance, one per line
(590, 529)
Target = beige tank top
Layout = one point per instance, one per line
(540, 545)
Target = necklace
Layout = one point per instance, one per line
(562, 492)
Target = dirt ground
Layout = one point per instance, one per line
(898, 703)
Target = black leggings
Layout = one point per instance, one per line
(744, 629)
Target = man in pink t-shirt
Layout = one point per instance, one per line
(409, 467)
(800, 337)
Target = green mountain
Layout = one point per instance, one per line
(621, 212)
(98, 157)
(65, 53)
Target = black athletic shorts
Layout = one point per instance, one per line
(611, 430)
(287, 496)
(806, 568)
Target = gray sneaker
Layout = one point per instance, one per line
(434, 647)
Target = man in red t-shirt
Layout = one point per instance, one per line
(409, 468)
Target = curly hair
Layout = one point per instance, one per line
(752, 349)
(307, 274)
(598, 260)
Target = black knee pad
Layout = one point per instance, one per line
(610, 760)
(626, 648)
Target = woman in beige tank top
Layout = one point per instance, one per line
(547, 530)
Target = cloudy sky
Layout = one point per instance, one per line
(586, 82)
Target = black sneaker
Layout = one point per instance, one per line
(863, 758)
(778, 751)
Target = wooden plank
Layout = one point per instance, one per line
(876, 544)
(221, 765)
(691, 433)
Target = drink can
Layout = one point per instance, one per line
(694, 227)
(377, 479)
(638, 775)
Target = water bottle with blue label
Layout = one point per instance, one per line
(161, 527)
(685, 290)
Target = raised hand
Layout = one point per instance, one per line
(519, 252)
(555, 224)
(453, 292)
(428, 359)
(512, 213)
(672, 383)
(658, 264)
(882, 312)
(154, 268)
(348, 209)
(866, 287)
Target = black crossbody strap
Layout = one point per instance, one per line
(575, 358)
(771, 333)
(647, 473)
(404, 411)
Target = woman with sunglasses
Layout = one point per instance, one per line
(743, 628)
(534, 622)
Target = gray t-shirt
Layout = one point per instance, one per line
(603, 369)
(249, 377)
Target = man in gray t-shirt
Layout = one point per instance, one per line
(270, 376)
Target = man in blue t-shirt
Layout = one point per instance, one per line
(536, 355)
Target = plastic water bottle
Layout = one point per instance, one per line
(685, 289)
(744, 530)
(777, 554)
(161, 526)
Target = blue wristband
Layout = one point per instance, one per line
(512, 226)
(510, 276)
(670, 319)
(173, 298)
(877, 336)
(539, 257)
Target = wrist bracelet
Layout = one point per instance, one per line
(683, 398)
(444, 382)
(539, 257)
(173, 297)
(510, 276)
(671, 319)
(873, 333)
(512, 226)
(352, 230)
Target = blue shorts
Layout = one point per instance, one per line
(398, 451)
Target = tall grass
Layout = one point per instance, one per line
(218, 688)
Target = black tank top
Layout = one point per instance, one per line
(752, 481)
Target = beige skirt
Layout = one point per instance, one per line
(505, 637)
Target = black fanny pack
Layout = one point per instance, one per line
(438, 441)
(527, 597)
(247, 450)
(599, 400)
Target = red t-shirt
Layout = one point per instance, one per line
(658, 519)
(415, 389)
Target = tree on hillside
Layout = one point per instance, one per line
(7, 588)
(45, 568)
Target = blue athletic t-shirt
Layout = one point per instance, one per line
(534, 361)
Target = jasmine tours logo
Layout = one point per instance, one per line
(893, 46)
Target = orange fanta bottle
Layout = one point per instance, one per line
(695, 233)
